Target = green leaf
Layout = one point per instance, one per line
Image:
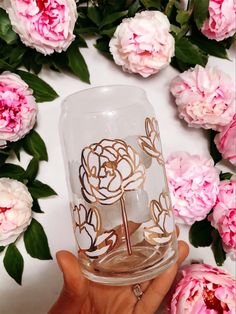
(6, 66)
(77, 63)
(148, 4)
(6, 32)
(36, 242)
(80, 42)
(16, 147)
(112, 18)
(32, 169)
(182, 17)
(133, 8)
(16, 55)
(41, 90)
(12, 171)
(36, 207)
(34, 145)
(108, 32)
(211, 47)
(40, 190)
(217, 248)
(215, 154)
(2, 248)
(14, 263)
(102, 44)
(200, 12)
(200, 233)
(3, 158)
(189, 53)
(94, 15)
(225, 176)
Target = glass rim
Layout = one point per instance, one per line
(134, 90)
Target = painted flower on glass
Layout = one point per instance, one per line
(161, 232)
(108, 169)
(15, 210)
(88, 232)
(150, 143)
(46, 25)
(204, 289)
(18, 109)
(143, 44)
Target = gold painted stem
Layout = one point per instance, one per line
(126, 227)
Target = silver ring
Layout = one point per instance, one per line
(137, 291)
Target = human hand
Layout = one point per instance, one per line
(82, 296)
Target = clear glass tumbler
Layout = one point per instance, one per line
(120, 203)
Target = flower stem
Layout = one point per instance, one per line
(126, 227)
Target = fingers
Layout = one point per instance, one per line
(74, 290)
(159, 287)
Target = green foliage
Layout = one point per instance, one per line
(40, 190)
(200, 11)
(217, 248)
(34, 145)
(215, 154)
(6, 32)
(200, 233)
(225, 176)
(36, 242)
(77, 63)
(41, 90)
(14, 263)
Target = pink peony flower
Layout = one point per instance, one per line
(204, 289)
(205, 97)
(143, 44)
(221, 22)
(193, 182)
(46, 25)
(18, 108)
(15, 210)
(226, 141)
(223, 217)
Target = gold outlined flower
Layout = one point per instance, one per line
(108, 169)
(161, 232)
(88, 234)
(150, 143)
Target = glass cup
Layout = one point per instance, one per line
(120, 203)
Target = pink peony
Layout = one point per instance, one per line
(143, 44)
(18, 108)
(223, 217)
(226, 141)
(204, 289)
(221, 22)
(46, 25)
(205, 97)
(15, 210)
(193, 182)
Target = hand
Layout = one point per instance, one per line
(81, 296)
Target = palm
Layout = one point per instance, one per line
(81, 296)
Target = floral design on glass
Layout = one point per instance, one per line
(88, 234)
(108, 169)
(150, 143)
(161, 232)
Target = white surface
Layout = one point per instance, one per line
(42, 280)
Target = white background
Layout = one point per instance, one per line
(42, 280)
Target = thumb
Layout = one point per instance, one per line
(75, 288)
